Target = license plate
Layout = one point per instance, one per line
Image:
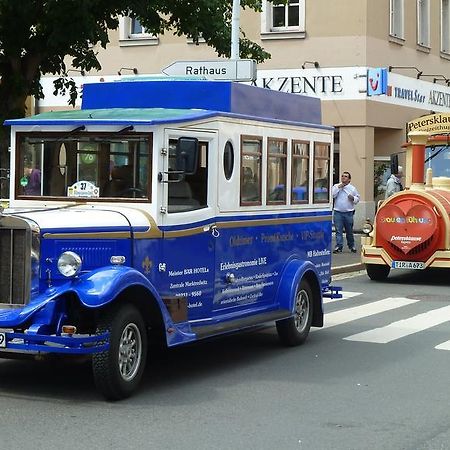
(2, 340)
(408, 265)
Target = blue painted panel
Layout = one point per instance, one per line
(257, 257)
(221, 96)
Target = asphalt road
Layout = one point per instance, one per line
(371, 379)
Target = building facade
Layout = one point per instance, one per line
(375, 64)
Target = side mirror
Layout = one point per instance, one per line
(187, 155)
(394, 163)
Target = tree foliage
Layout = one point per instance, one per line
(37, 37)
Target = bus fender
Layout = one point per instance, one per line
(292, 275)
(103, 285)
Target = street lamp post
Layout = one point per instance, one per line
(235, 29)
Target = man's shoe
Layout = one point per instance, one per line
(353, 250)
(337, 250)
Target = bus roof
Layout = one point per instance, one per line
(155, 102)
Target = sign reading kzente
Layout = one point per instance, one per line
(221, 69)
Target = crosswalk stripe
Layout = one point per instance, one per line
(443, 346)
(345, 295)
(358, 312)
(402, 328)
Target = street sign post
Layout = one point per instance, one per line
(220, 69)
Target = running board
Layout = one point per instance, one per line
(237, 324)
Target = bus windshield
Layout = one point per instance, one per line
(437, 157)
(81, 166)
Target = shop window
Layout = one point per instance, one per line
(283, 20)
(132, 32)
(276, 171)
(251, 156)
(396, 27)
(445, 26)
(300, 172)
(321, 173)
(423, 23)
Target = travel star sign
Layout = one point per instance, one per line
(220, 69)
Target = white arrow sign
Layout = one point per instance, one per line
(226, 69)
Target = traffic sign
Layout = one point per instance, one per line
(220, 69)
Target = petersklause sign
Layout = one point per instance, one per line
(433, 123)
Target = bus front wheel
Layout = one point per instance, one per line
(294, 330)
(118, 371)
(377, 272)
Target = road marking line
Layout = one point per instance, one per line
(402, 328)
(443, 346)
(345, 295)
(335, 318)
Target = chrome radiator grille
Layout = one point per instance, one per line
(15, 250)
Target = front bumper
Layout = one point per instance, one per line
(378, 255)
(32, 344)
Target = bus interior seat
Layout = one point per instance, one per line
(121, 180)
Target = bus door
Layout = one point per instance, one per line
(188, 219)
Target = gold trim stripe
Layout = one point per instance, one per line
(106, 235)
(247, 223)
(154, 232)
(278, 221)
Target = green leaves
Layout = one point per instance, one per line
(39, 37)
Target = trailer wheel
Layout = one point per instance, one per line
(294, 330)
(118, 371)
(377, 272)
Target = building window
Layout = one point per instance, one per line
(276, 171)
(131, 32)
(284, 20)
(423, 23)
(396, 27)
(321, 172)
(445, 26)
(300, 172)
(251, 156)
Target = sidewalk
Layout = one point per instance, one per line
(346, 261)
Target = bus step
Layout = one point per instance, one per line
(333, 292)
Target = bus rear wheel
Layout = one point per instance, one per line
(377, 272)
(118, 371)
(294, 330)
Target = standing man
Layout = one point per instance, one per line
(345, 198)
(394, 183)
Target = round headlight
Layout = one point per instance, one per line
(367, 228)
(69, 264)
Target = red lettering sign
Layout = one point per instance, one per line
(406, 231)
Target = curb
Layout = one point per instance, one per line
(348, 268)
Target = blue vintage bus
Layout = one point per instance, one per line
(150, 214)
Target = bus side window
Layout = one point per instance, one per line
(321, 172)
(251, 156)
(189, 192)
(300, 172)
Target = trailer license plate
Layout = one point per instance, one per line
(408, 265)
(2, 340)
